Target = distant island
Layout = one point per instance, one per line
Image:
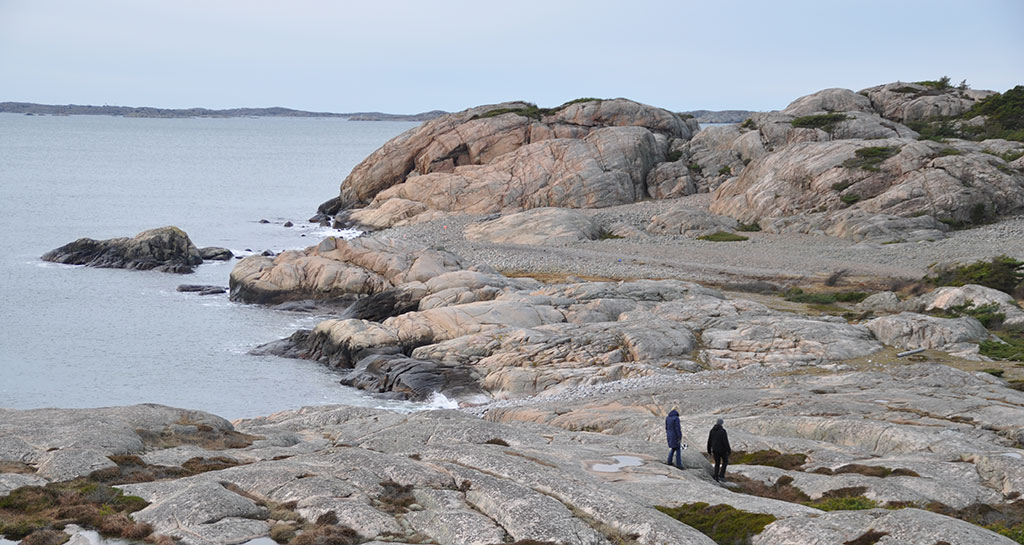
(722, 116)
(29, 108)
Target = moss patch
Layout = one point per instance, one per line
(870, 471)
(723, 236)
(724, 524)
(772, 458)
(825, 122)
(871, 157)
(38, 508)
(798, 295)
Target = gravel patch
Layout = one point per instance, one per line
(788, 259)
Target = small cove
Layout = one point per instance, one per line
(83, 337)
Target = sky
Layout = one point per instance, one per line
(411, 56)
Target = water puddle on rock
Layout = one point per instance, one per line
(620, 462)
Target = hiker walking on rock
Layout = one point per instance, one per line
(718, 446)
(675, 436)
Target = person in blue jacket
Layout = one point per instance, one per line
(675, 437)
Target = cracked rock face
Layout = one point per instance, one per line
(511, 157)
(522, 472)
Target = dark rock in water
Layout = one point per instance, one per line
(332, 306)
(214, 253)
(264, 221)
(289, 347)
(413, 379)
(166, 249)
(201, 289)
(330, 207)
(288, 224)
(381, 306)
(268, 253)
(295, 306)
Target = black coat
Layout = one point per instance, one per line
(718, 441)
(672, 430)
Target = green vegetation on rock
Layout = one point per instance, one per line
(723, 236)
(869, 158)
(772, 458)
(825, 122)
(1003, 116)
(1002, 273)
(798, 295)
(749, 227)
(724, 524)
(1011, 348)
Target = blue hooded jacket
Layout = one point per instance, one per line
(672, 429)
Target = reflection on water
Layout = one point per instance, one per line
(620, 462)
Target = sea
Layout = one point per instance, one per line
(73, 336)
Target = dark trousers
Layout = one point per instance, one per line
(679, 460)
(721, 461)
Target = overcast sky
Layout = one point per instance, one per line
(417, 55)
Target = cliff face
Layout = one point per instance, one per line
(834, 162)
(511, 157)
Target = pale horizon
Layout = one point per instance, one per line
(408, 57)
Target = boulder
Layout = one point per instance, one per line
(829, 100)
(909, 102)
(690, 221)
(214, 253)
(336, 268)
(969, 296)
(909, 331)
(166, 249)
(539, 226)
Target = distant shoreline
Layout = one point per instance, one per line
(29, 108)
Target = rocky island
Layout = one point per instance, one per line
(838, 281)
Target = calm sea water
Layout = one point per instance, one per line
(83, 337)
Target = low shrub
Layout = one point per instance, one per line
(939, 84)
(723, 236)
(782, 489)
(396, 498)
(674, 156)
(771, 458)
(843, 503)
(725, 171)
(825, 122)
(850, 198)
(869, 471)
(1002, 273)
(988, 314)
(724, 524)
(1010, 348)
(798, 295)
(870, 157)
(748, 123)
(749, 227)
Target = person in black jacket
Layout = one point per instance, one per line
(675, 436)
(718, 446)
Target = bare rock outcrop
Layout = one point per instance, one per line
(511, 157)
(909, 331)
(882, 190)
(336, 268)
(166, 249)
(537, 226)
(909, 102)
